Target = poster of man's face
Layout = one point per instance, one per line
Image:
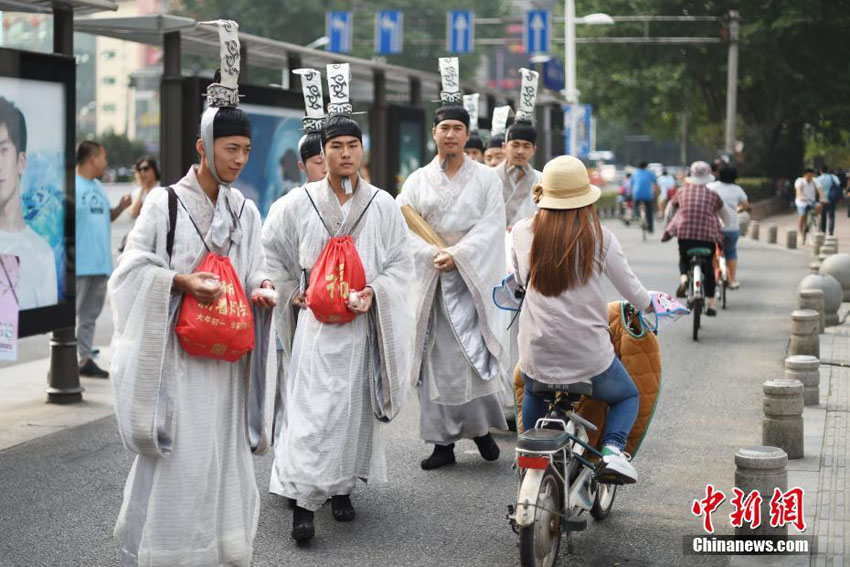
(32, 187)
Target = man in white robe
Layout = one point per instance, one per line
(459, 356)
(191, 496)
(518, 179)
(343, 380)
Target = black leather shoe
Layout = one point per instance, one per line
(92, 370)
(711, 312)
(487, 447)
(681, 291)
(343, 510)
(303, 528)
(443, 455)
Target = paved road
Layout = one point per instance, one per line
(60, 495)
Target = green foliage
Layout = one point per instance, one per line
(757, 188)
(791, 58)
(830, 146)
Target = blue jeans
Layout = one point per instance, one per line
(730, 244)
(614, 387)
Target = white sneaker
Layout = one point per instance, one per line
(618, 469)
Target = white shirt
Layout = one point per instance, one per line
(732, 195)
(809, 190)
(665, 183)
(37, 286)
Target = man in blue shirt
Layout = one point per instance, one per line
(93, 246)
(643, 188)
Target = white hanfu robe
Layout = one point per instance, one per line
(460, 356)
(519, 204)
(518, 195)
(342, 380)
(191, 497)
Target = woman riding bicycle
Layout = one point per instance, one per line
(562, 252)
(695, 210)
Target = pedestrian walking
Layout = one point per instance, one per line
(195, 420)
(833, 193)
(459, 349)
(348, 333)
(560, 255)
(735, 199)
(93, 244)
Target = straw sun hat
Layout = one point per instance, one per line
(565, 185)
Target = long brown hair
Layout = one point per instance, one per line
(565, 249)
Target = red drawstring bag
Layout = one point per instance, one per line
(337, 272)
(224, 328)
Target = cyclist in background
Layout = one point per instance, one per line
(666, 185)
(696, 225)
(808, 195)
(735, 199)
(643, 190)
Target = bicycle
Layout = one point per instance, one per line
(810, 226)
(721, 275)
(644, 223)
(557, 482)
(696, 289)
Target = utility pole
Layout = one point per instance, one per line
(571, 96)
(732, 82)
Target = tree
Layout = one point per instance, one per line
(791, 54)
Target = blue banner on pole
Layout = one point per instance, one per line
(338, 29)
(460, 31)
(389, 32)
(537, 31)
(583, 125)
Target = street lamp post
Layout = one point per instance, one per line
(571, 95)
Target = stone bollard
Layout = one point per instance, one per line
(838, 266)
(832, 240)
(762, 469)
(804, 332)
(819, 239)
(771, 233)
(805, 369)
(813, 299)
(832, 295)
(754, 229)
(791, 238)
(783, 416)
(828, 249)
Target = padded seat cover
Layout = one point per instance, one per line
(640, 354)
(542, 440)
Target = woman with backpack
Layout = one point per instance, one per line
(560, 255)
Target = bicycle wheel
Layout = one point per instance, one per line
(697, 313)
(604, 501)
(724, 286)
(540, 542)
